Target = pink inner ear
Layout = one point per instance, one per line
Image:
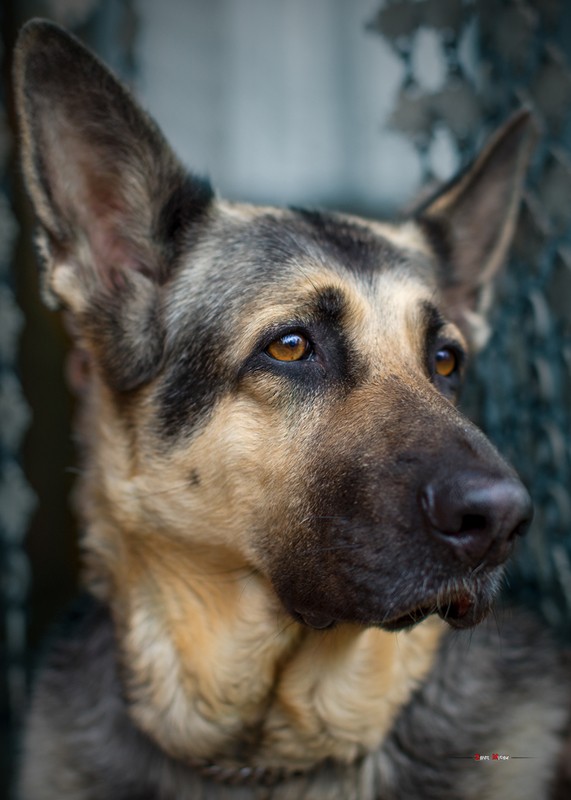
(108, 221)
(113, 255)
(92, 194)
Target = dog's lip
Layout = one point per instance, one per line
(315, 620)
(410, 618)
(460, 610)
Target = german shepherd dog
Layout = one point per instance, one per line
(284, 512)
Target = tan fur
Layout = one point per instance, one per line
(191, 642)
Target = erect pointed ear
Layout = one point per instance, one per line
(471, 220)
(112, 200)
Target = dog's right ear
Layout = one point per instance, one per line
(112, 200)
(471, 220)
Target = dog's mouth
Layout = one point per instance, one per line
(460, 610)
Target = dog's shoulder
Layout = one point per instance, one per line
(490, 717)
(79, 740)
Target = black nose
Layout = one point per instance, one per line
(476, 515)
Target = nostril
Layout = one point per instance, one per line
(451, 511)
(473, 522)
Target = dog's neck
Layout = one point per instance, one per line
(215, 670)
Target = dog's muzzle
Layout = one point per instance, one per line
(396, 530)
(468, 522)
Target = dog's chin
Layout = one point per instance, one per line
(460, 608)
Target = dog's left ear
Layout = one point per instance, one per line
(471, 220)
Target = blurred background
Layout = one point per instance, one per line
(336, 103)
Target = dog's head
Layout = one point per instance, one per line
(275, 385)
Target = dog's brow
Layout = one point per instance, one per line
(432, 324)
(432, 319)
(329, 303)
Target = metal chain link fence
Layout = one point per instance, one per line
(17, 499)
(108, 26)
(495, 55)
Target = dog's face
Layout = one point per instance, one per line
(275, 385)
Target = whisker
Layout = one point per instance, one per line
(74, 471)
(174, 488)
(333, 547)
(306, 275)
(311, 517)
(281, 630)
(477, 569)
(248, 579)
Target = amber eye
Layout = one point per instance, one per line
(291, 347)
(445, 362)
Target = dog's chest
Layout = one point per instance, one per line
(81, 742)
